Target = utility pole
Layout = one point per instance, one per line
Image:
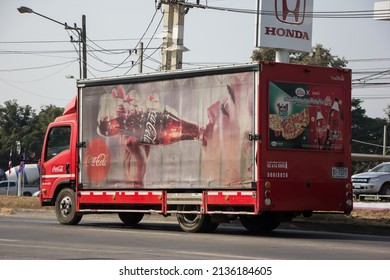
(140, 57)
(81, 32)
(172, 50)
(384, 139)
(83, 38)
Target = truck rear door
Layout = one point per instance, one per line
(305, 123)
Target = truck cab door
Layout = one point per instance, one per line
(58, 160)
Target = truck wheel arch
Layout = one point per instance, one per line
(57, 189)
(65, 207)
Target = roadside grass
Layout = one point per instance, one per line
(16, 202)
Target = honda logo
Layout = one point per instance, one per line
(290, 11)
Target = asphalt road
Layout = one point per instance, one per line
(38, 236)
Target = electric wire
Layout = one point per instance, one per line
(147, 46)
(38, 67)
(31, 93)
(324, 15)
(67, 65)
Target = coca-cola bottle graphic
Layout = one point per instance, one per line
(320, 130)
(333, 132)
(147, 122)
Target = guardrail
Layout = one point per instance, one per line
(372, 197)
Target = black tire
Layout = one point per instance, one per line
(130, 219)
(65, 207)
(385, 190)
(195, 222)
(264, 222)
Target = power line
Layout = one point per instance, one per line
(43, 78)
(62, 41)
(23, 52)
(31, 93)
(351, 14)
(37, 67)
(147, 46)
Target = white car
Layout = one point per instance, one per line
(376, 181)
(11, 188)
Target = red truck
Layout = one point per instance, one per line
(261, 143)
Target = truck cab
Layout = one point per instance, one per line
(58, 159)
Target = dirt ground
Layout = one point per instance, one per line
(375, 222)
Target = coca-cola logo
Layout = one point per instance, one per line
(150, 133)
(57, 169)
(97, 160)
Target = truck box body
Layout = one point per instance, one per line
(216, 108)
(276, 136)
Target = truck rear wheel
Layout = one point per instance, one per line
(65, 208)
(264, 222)
(193, 222)
(130, 219)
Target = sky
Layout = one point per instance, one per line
(39, 64)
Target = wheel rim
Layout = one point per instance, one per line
(188, 217)
(66, 206)
(191, 218)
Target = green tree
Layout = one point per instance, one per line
(387, 112)
(319, 56)
(34, 140)
(367, 135)
(16, 122)
(21, 123)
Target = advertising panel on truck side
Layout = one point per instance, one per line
(188, 132)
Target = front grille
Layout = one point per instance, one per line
(360, 180)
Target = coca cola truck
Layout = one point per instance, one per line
(261, 143)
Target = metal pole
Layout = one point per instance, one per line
(167, 39)
(140, 57)
(81, 40)
(18, 150)
(384, 138)
(8, 187)
(9, 171)
(178, 34)
(19, 182)
(282, 56)
(257, 24)
(84, 43)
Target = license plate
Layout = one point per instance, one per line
(339, 172)
(356, 186)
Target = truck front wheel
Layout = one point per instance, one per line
(65, 208)
(193, 222)
(130, 219)
(263, 222)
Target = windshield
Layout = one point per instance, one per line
(381, 168)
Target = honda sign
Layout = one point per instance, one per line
(286, 24)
